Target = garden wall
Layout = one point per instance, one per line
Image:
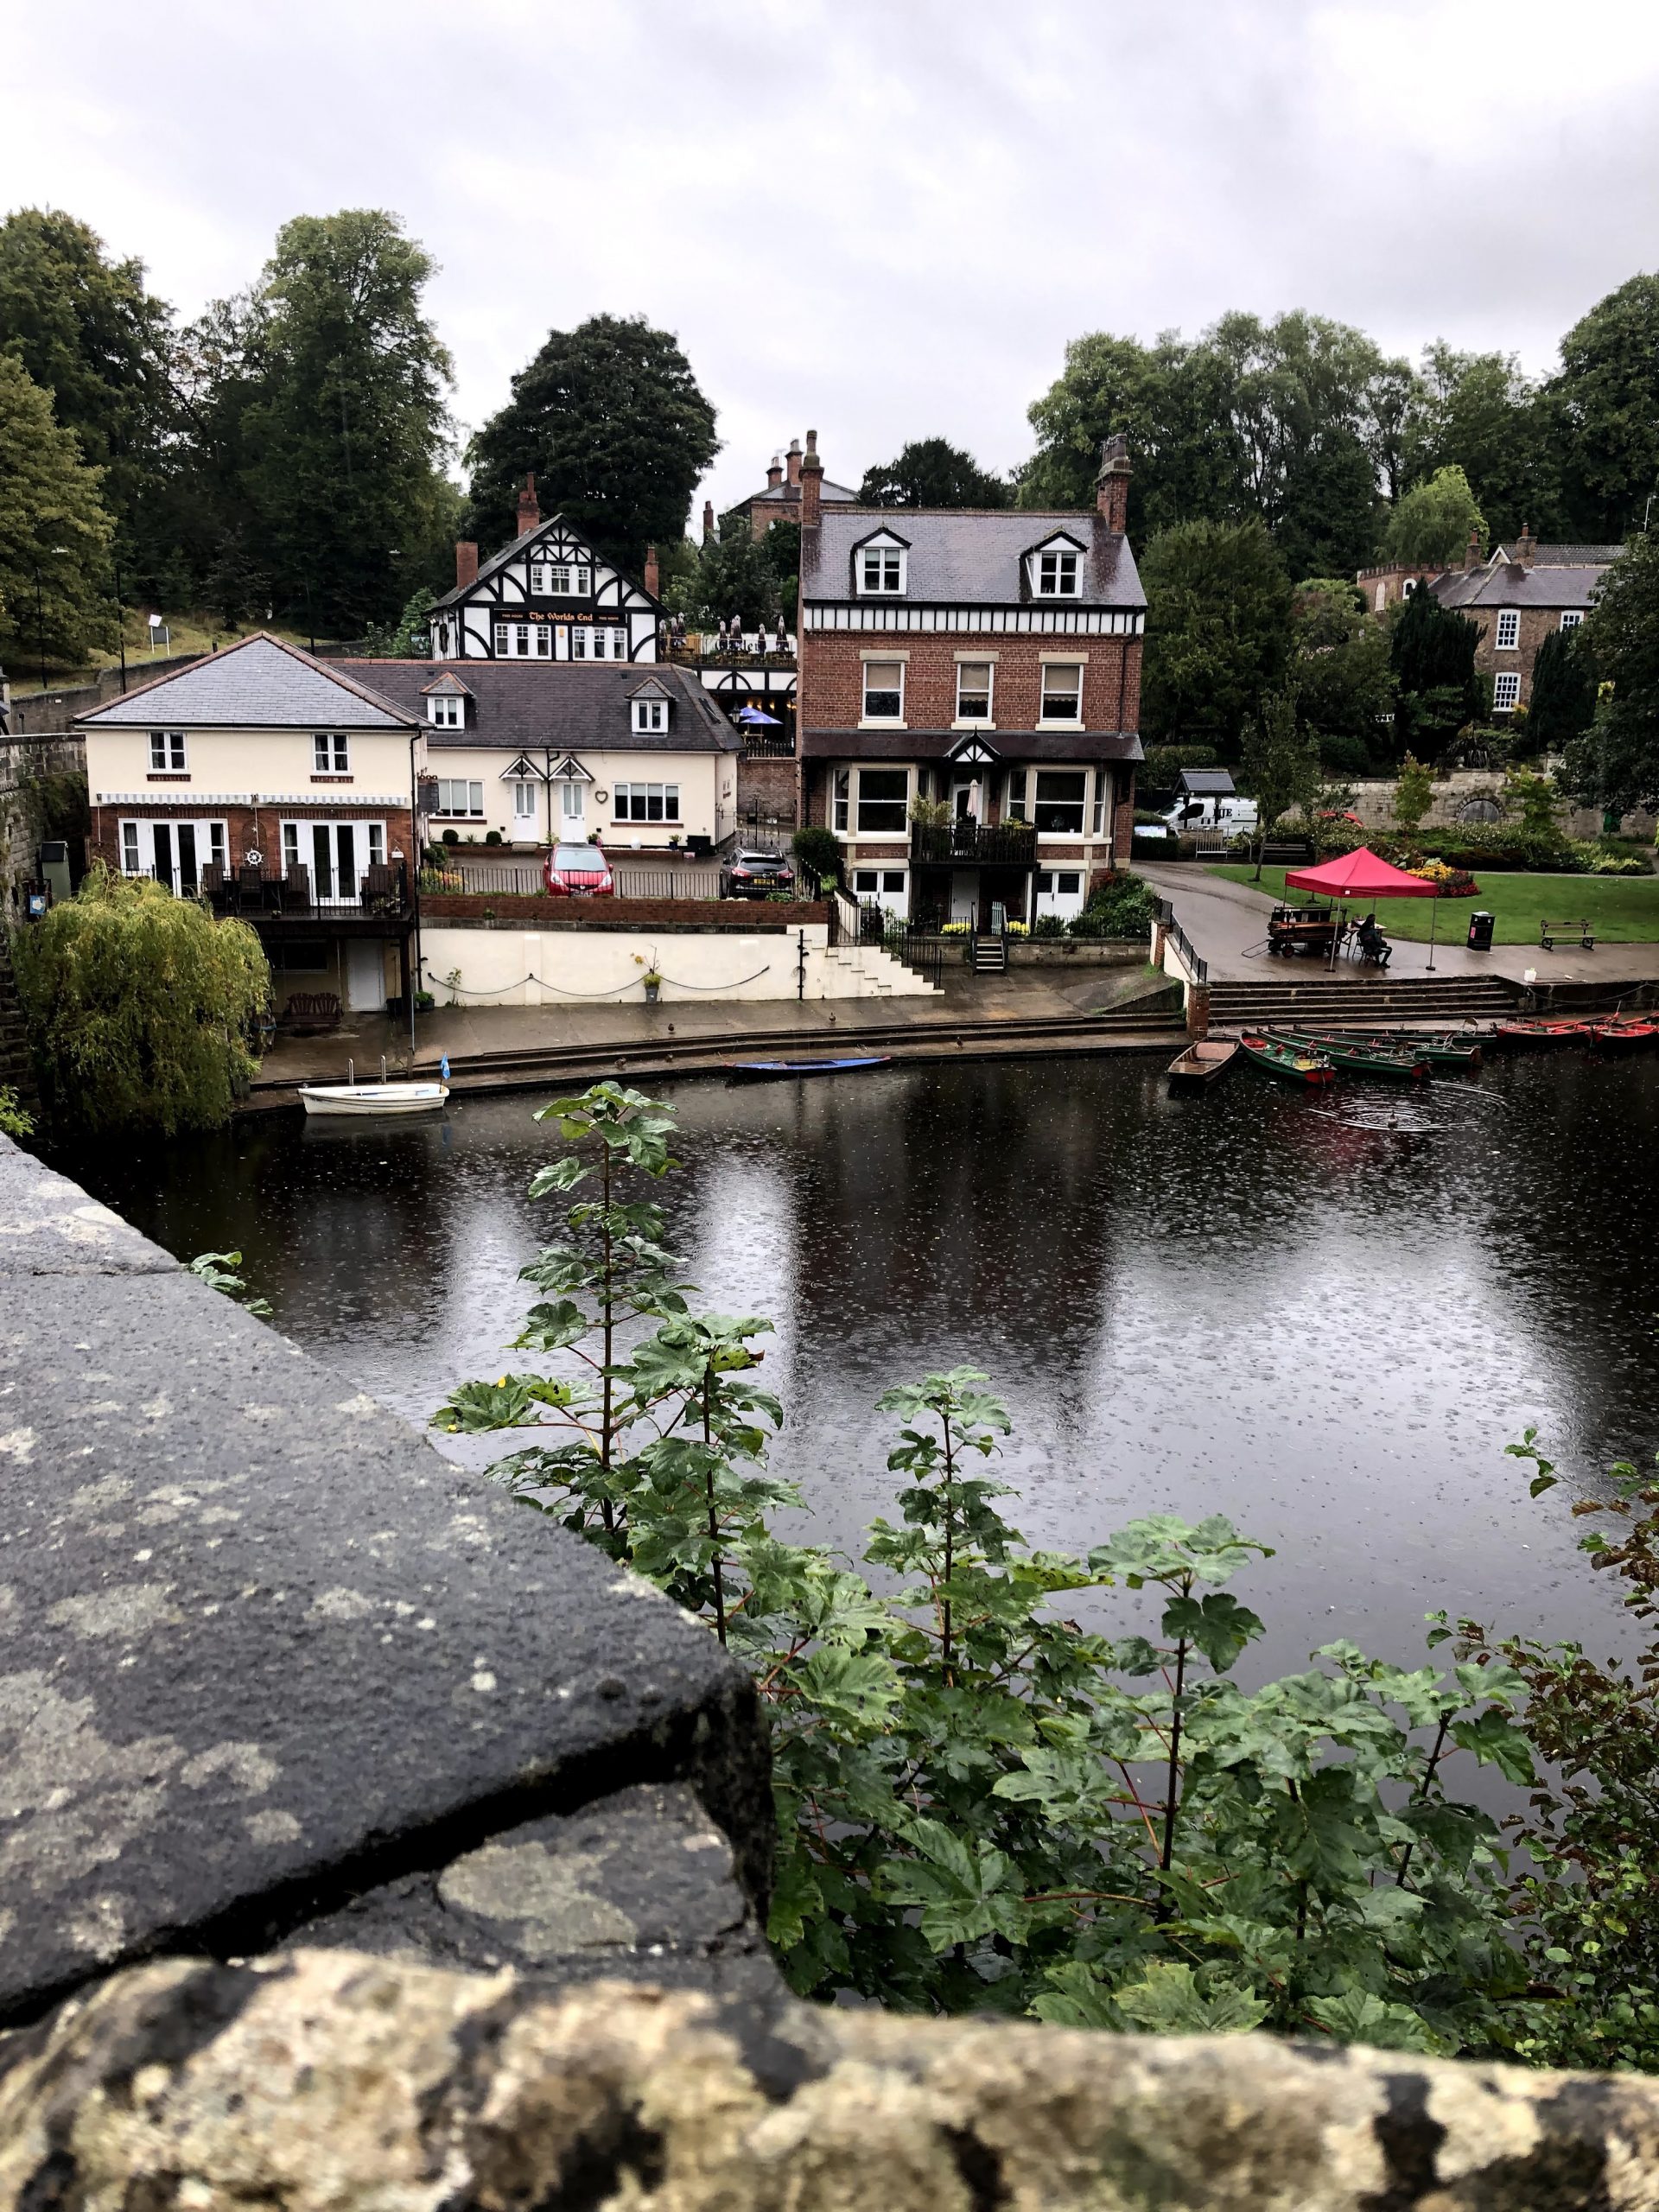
(502, 965)
(1373, 804)
(516, 910)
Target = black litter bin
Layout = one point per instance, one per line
(1480, 932)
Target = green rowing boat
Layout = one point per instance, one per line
(1357, 1054)
(1279, 1057)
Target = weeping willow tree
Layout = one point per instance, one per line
(141, 1008)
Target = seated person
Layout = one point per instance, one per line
(1373, 945)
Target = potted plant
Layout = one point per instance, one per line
(654, 983)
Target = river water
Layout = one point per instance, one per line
(1324, 1316)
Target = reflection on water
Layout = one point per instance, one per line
(1322, 1315)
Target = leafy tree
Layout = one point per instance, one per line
(1344, 686)
(55, 533)
(1481, 413)
(343, 428)
(609, 419)
(931, 473)
(1432, 523)
(1432, 651)
(981, 1806)
(1615, 765)
(140, 1007)
(1280, 765)
(1414, 795)
(1218, 629)
(408, 638)
(97, 342)
(1537, 800)
(1563, 690)
(1608, 391)
(736, 576)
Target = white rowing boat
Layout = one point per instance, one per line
(362, 1099)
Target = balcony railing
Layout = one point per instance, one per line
(983, 844)
(381, 890)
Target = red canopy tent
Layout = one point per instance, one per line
(1363, 875)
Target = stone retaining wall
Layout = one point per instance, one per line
(535, 910)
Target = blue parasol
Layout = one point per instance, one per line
(755, 718)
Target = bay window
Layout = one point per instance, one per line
(1061, 793)
(841, 791)
(883, 801)
(1014, 810)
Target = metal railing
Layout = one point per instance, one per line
(268, 892)
(768, 744)
(1197, 967)
(1011, 844)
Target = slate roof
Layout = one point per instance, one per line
(521, 543)
(568, 705)
(260, 683)
(1567, 556)
(960, 555)
(1057, 745)
(1510, 585)
(789, 495)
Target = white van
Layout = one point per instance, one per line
(1228, 815)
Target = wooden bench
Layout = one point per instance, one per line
(308, 1013)
(1548, 931)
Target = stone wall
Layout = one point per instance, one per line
(1373, 804)
(24, 768)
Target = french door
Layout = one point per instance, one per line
(337, 855)
(175, 853)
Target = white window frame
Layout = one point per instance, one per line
(472, 806)
(331, 753)
(1059, 573)
(543, 641)
(558, 579)
(1081, 803)
(299, 850)
(1016, 805)
(502, 635)
(584, 581)
(1573, 618)
(880, 830)
(618, 644)
(138, 838)
(1045, 719)
(524, 804)
(443, 711)
(882, 571)
(841, 801)
(538, 579)
(578, 641)
(627, 796)
(882, 721)
(887, 887)
(1506, 691)
(169, 755)
(987, 720)
(1509, 621)
(651, 717)
(1101, 819)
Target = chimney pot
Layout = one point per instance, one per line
(529, 512)
(1526, 546)
(793, 461)
(774, 473)
(650, 570)
(1472, 551)
(466, 562)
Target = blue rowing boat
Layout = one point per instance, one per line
(764, 1070)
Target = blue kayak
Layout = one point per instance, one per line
(760, 1070)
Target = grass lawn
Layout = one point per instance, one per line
(1621, 909)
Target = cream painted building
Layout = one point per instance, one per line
(639, 756)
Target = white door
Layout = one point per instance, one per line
(1059, 891)
(365, 976)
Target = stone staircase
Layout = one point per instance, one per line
(871, 972)
(988, 953)
(1372, 1002)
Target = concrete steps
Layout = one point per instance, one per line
(1356, 1004)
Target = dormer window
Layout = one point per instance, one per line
(881, 568)
(651, 717)
(1057, 576)
(444, 711)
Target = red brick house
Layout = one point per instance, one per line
(989, 665)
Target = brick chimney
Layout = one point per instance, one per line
(794, 457)
(1471, 550)
(774, 473)
(466, 564)
(811, 483)
(1112, 485)
(529, 512)
(650, 570)
(1526, 548)
(707, 522)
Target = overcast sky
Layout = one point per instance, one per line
(883, 218)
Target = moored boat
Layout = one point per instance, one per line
(1202, 1062)
(1539, 1029)
(766, 1071)
(1623, 1035)
(1451, 1048)
(1358, 1055)
(1279, 1057)
(363, 1100)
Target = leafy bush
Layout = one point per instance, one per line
(981, 1806)
(142, 1008)
(1050, 925)
(452, 836)
(1121, 907)
(492, 836)
(819, 852)
(1612, 863)
(15, 1120)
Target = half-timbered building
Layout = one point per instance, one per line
(969, 700)
(548, 597)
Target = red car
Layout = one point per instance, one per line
(578, 872)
